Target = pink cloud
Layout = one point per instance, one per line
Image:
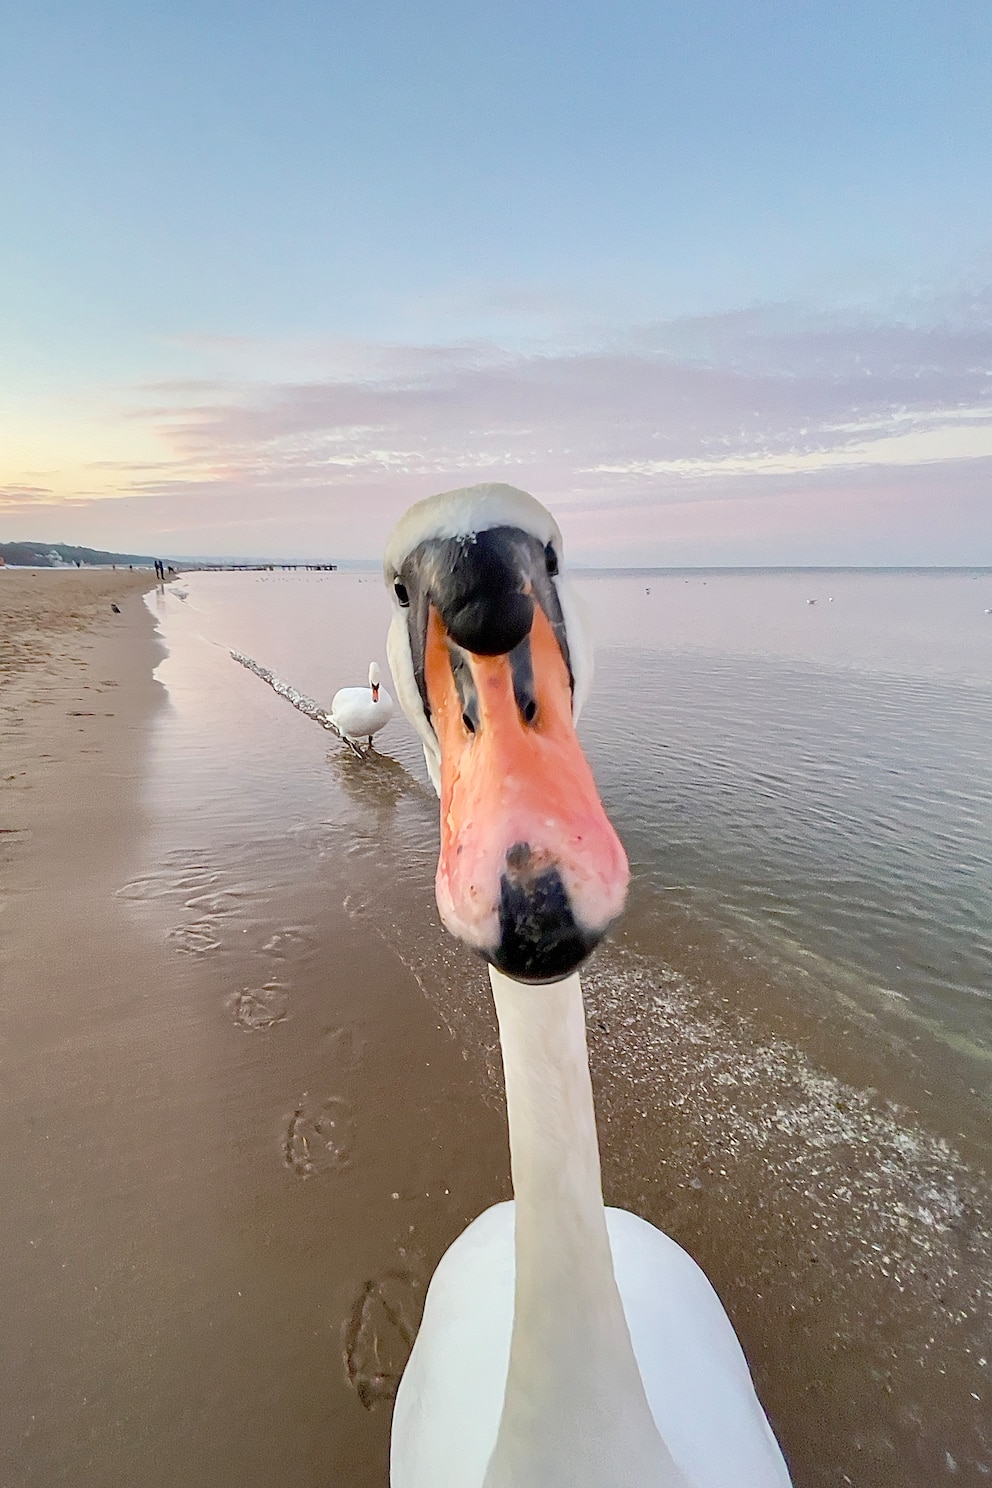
(760, 437)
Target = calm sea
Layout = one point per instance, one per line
(791, 1034)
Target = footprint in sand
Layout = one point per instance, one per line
(195, 939)
(379, 1335)
(259, 1007)
(318, 1136)
(290, 943)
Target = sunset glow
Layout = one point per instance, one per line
(718, 286)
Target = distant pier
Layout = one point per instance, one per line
(261, 567)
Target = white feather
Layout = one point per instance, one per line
(466, 511)
(695, 1374)
(358, 712)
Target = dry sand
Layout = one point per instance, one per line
(40, 609)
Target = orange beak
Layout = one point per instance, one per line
(531, 872)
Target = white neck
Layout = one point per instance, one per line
(574, 1413)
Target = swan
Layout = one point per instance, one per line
(360, 712)
(563, 1344)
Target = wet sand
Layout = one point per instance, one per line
(187, 1297)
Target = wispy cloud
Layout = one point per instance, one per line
(772, 405)
(15, 495)
(905, 439)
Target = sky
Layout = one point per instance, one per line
(711, 279)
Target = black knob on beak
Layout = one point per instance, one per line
(480, 598)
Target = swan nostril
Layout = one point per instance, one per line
(522, 667)
(467, 693)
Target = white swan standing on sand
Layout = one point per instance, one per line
(360, 712)
(563, 1344)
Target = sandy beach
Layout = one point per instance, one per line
(186, 1298)
(42, 609)
(76, 694)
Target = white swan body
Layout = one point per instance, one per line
(563, 1345)
(450, 1401)
(695, 1374)
(559, 1362)
(360, 712)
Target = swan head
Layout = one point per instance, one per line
(374, 680)
(491, 665)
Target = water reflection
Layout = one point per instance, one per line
(375, 784)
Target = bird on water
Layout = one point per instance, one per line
(360, 712)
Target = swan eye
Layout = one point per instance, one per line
(402, 594)
(551, 560)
